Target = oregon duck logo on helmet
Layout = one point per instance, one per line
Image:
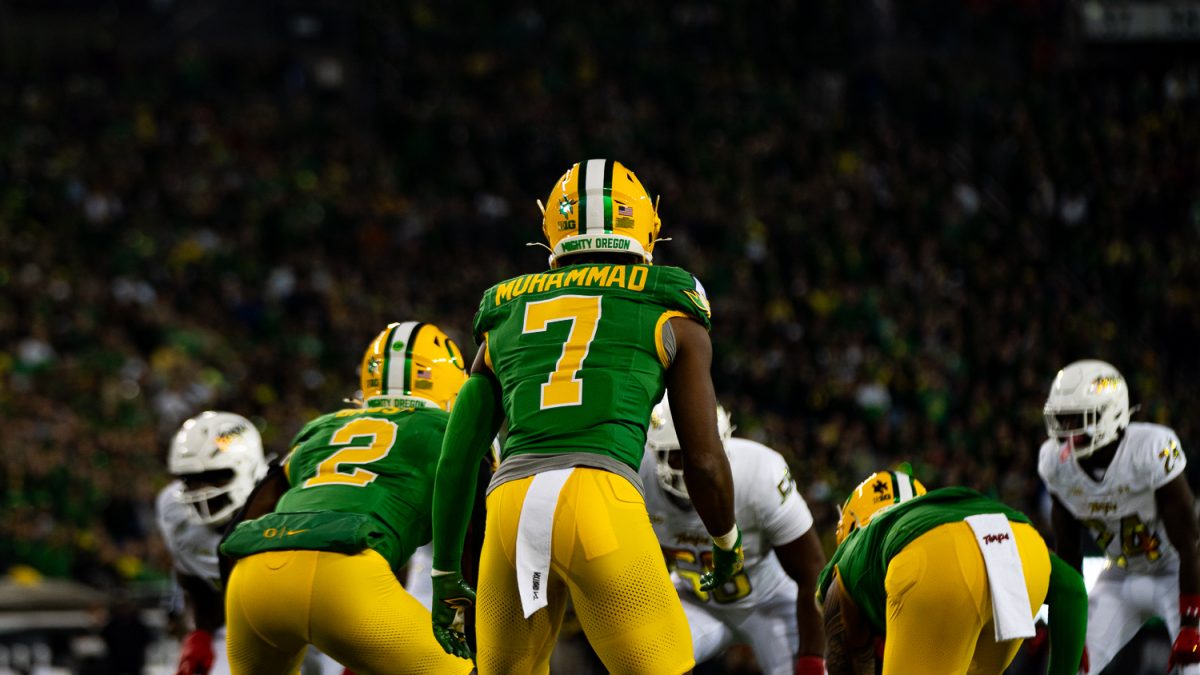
(599, 206)
(412, 362)
(878, 493)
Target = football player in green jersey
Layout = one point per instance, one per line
(355, 503)
(574, 359)
(951, 578)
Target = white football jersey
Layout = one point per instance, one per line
(193, 546)
(768, 509)
(1120, 509)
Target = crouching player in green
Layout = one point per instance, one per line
(950, 578)
(356, 502)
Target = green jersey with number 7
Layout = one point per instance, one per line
(559, 342)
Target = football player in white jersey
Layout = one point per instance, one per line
(1124, 482)
(769, 605)
(216, 458)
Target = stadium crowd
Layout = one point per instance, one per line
(900, 251)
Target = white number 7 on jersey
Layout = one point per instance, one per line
(564, 387)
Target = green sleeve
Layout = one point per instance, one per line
(473, 424)
(1067, 598)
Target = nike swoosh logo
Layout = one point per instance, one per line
(291, 532)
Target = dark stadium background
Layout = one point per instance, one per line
(908, 215)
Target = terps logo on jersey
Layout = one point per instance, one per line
(996, 538)
(1102, 508)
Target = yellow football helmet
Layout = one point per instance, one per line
(599, 206)
(412, 362)
(879, 492)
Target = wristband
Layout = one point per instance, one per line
(1189, 606)
(727, 540)
(810, 665)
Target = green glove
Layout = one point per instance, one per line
(725, 565)
(451, 595)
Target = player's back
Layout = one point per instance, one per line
(579, 354)
(862, 559)
(374, 461)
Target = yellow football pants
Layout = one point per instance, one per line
(939, 609)
(349, 606)
(605, 559)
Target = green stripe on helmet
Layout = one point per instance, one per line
(608, 200)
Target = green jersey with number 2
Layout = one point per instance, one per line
(580, 356)
(374, 461)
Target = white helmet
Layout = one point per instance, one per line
(219, 458)
(662, 440)
(1088, 406)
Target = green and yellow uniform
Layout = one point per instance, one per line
(580, 353)
(320, 570)
(918, 577)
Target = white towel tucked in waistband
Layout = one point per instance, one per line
(1006, 577)
(535, 532)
